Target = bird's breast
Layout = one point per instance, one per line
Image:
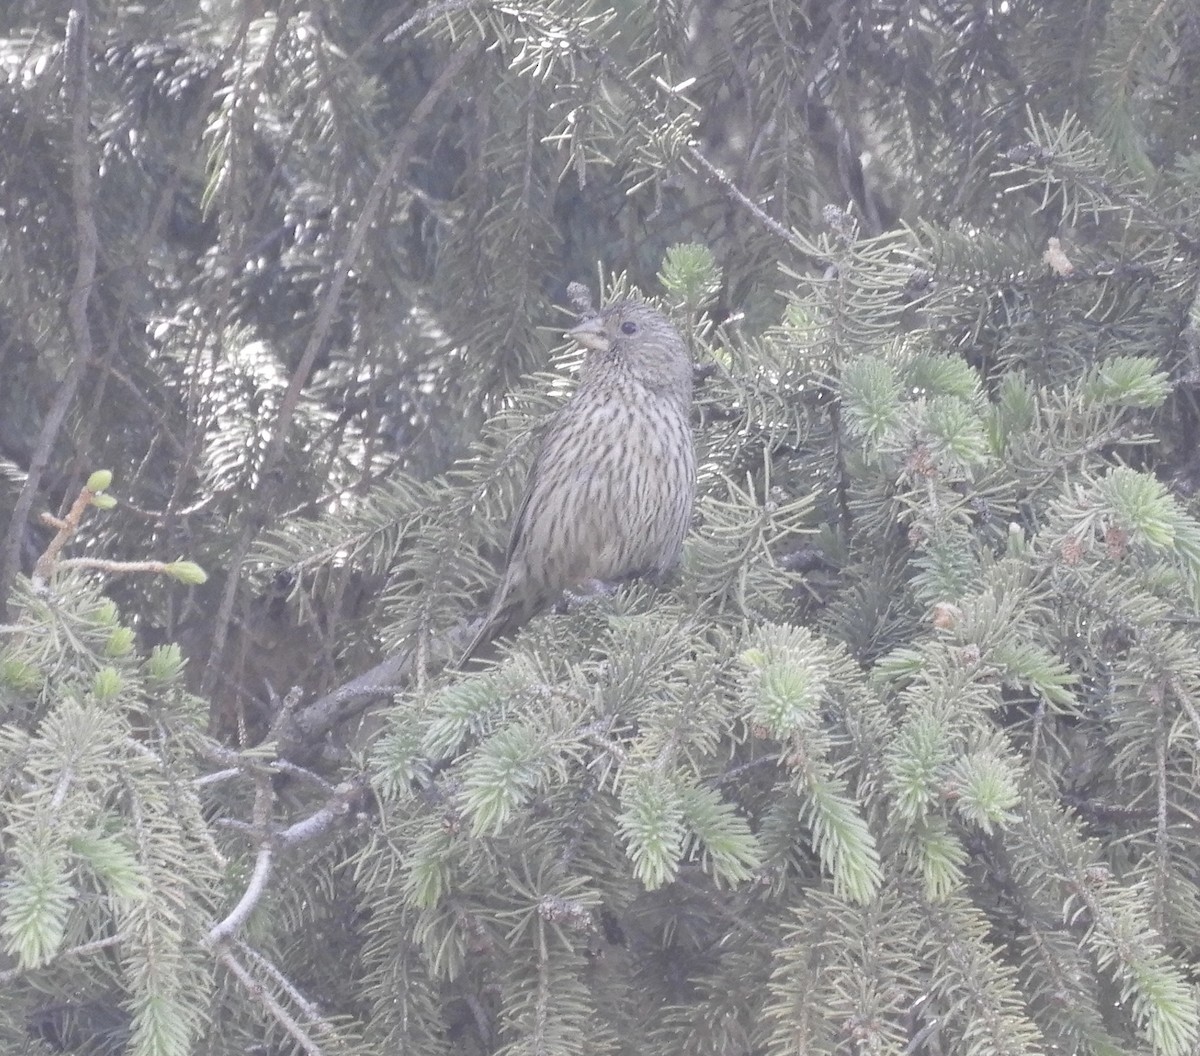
(638, 487)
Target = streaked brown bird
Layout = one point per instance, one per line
(610, 493)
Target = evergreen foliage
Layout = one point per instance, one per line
(903, 760)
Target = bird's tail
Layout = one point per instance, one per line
(498, 623)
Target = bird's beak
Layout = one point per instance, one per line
(591, 333)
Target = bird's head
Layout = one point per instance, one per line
(643, 342)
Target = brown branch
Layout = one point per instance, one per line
(300, 730)
(64, 529)
(306, 726)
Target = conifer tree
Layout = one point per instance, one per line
(902, 759)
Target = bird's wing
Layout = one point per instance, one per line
(548, 430)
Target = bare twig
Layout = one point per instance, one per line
(64, 529)
(222, 937)
(255, 889)
(346, 796)
(340, 803)
(264, 803)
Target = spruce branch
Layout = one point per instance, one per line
(652, 116)
(1162, 792)
(272, 1006)
(1071, 157)
(84, 949)
(426, 15)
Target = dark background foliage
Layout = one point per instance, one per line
(903, 761)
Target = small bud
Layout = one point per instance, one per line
(1116, 542)
(103, 502)
(120, 642)
(1072, 550)
(581, 299)
(165, 663)
(753, 657)
(187, 572)
(101, 480)
(107, 683)
(106, 614)
(18, 675)
(1016, 539)
(690, 273)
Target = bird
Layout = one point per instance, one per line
(610, 491)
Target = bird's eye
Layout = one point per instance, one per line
(629, 328)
